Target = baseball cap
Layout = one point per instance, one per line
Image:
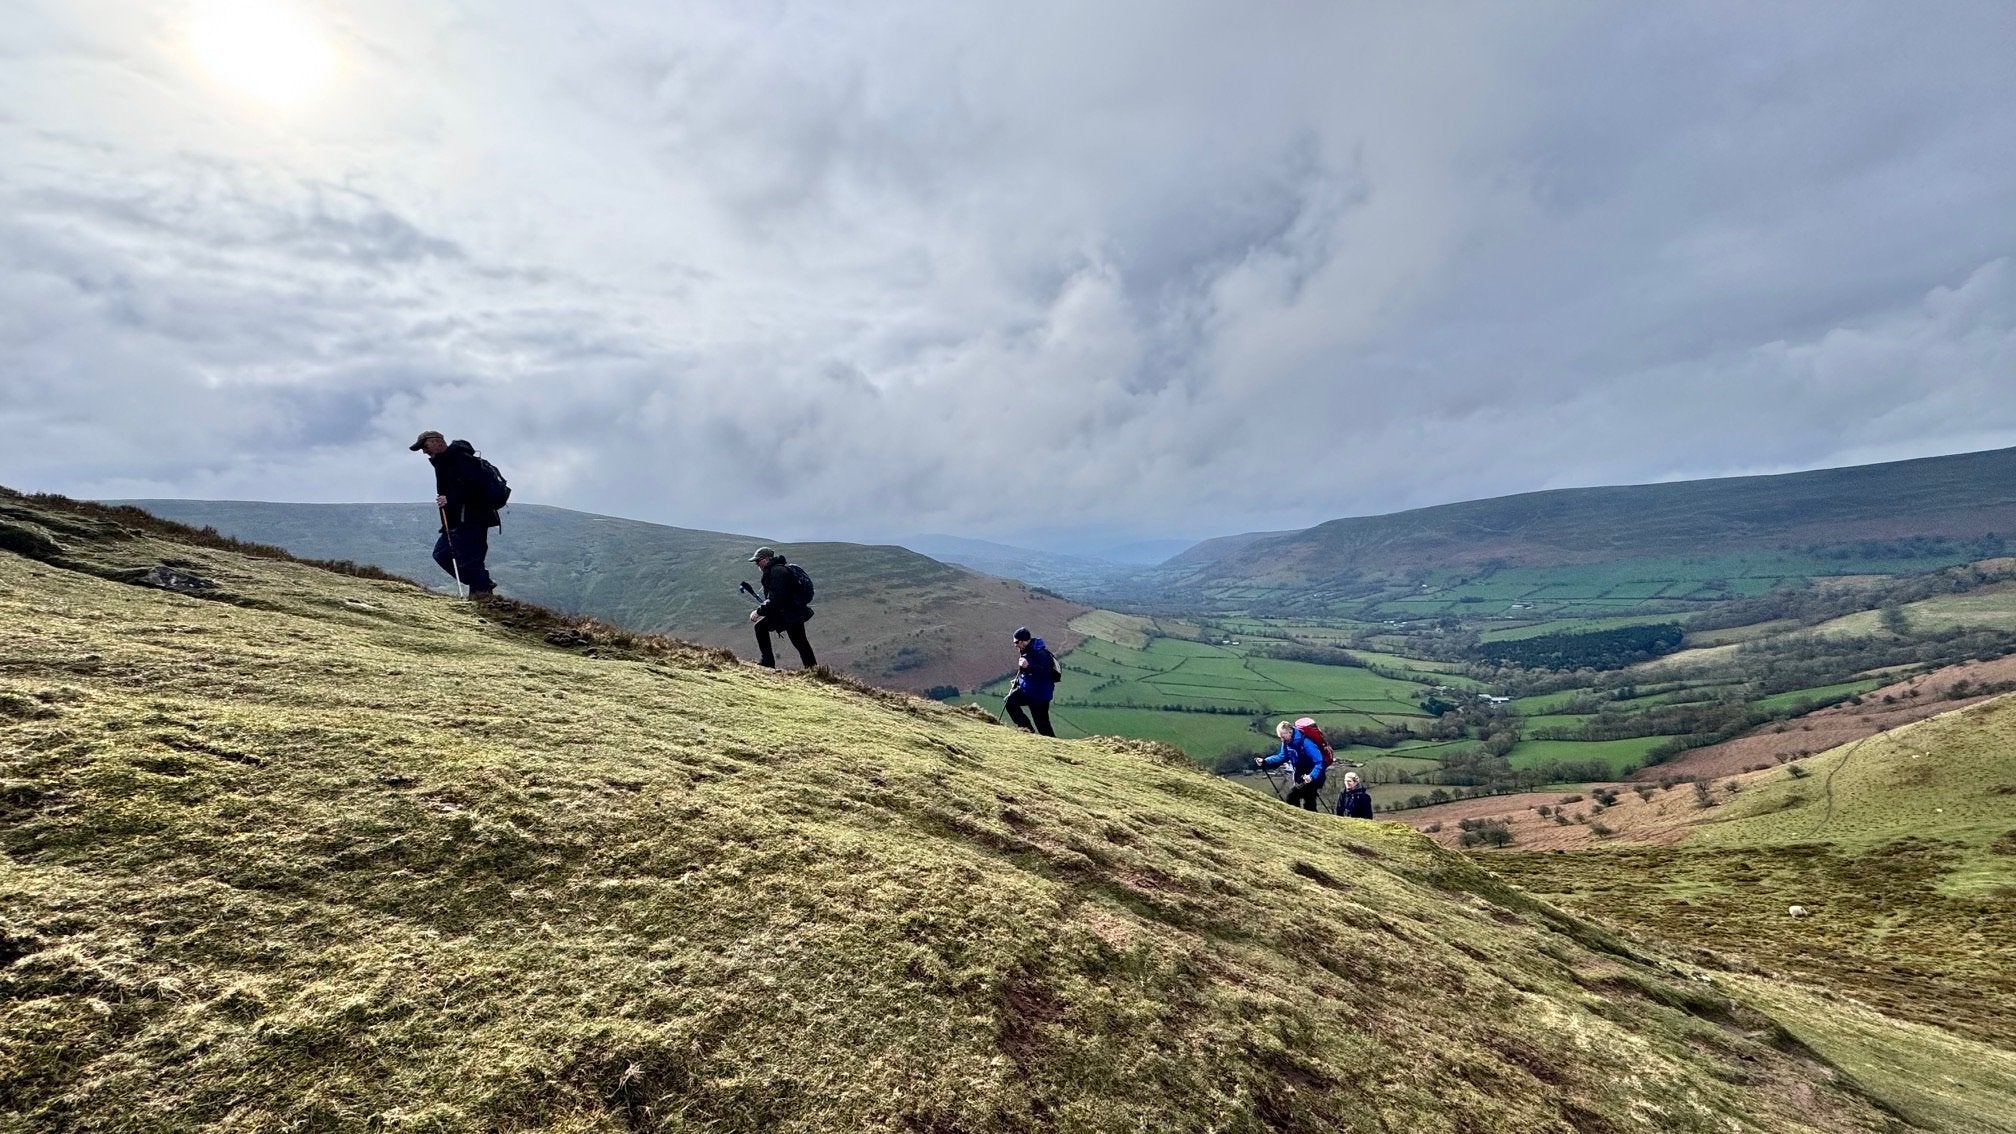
(764, 553)
(431, 434)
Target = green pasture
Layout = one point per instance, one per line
(1441, 669)
(1203, 736)
(1619, 754)
(1141, 686)
(1597, 590)
(1545, 703)
(1992, 608)
(1797, 697)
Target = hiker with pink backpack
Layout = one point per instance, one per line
(1307, 759)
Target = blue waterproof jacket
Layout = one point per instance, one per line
(1036, 677)
(1303, 751)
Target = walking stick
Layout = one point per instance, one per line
(454, 564)
(1273, 781)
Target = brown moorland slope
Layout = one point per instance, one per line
(885, 614)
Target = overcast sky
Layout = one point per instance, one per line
(1065, 274)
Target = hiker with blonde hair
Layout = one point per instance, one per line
(1354, 802)
(1307, 760)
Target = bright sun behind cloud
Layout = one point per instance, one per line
(262, 48)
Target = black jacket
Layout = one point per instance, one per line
(782, 604)
(1355, 803)
(457, 477)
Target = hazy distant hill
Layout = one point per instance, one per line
(1965, 496)
(1047, 569)
(888, 614)
(1146, 553)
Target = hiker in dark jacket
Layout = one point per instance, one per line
(1307, 760)
(1035, 683)
(1354, 802)
(782, 611)
(461, 494)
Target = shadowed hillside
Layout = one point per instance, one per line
(887, 614)
(286, 849)
(1838, 517)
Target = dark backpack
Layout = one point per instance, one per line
(803, 580)
(490, 485)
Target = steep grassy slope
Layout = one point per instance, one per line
(1964, 496)
(884, 613)
(1902, 847)
(305, 852)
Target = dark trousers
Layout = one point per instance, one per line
(463, 549)
(1304, 795)
(794, 631)
(1038, 709)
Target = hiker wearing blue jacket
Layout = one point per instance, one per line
(1307, 759)
(1036, 676)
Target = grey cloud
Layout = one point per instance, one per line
(1086, 274)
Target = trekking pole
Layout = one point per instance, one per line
(1273, 781)
(454, 564)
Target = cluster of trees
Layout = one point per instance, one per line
(1589, 649)
(1911, 547)
(1485, 833)
(1313, 653)
(1810, 605)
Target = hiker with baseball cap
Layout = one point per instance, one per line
(785, 607)
(1307, 760)
(1036, 675)
(468, 491)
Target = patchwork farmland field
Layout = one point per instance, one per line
(1592, 595)
(1218, 693)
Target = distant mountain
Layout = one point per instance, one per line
(1047, 569)
(1872, 510)
(1217, 548)
(1147, 553)
(888, 614)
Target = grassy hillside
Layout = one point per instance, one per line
(1902, 847)
(889, 615)
(1591, 550)
(307, 852)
